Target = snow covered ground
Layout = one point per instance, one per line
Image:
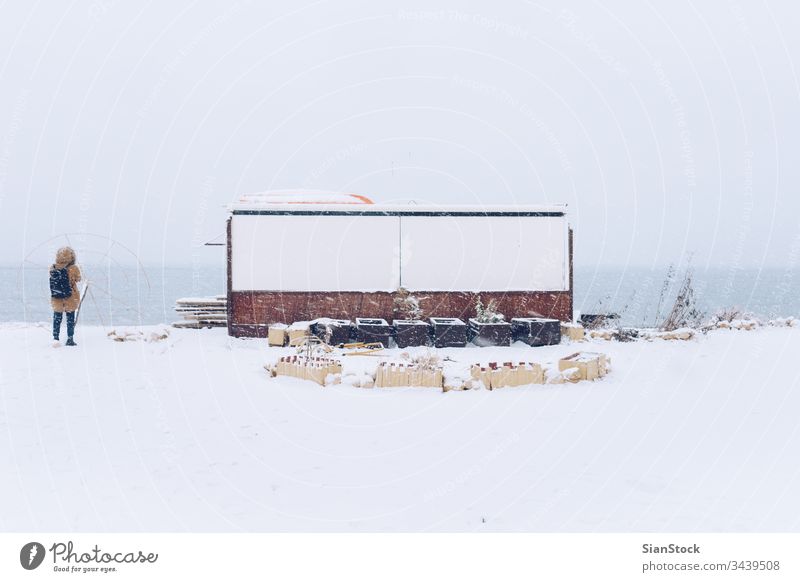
(189, 434)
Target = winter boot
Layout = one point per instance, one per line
(57, 317)
(71, 342)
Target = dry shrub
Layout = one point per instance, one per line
(684, 312)
(428, 360)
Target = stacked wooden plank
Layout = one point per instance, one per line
(200, 312)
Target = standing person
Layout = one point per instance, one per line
(64, 295)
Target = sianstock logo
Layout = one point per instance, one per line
(31, 555)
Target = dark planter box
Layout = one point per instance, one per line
(373, 330)
(536, 331)
(339, 330)
(449, 332)
(490, 334)
(410, 333)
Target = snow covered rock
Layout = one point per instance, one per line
(681, 334)
(358, 380)
(461, 381)
(744, 324)
(784, 322)
(604, 334)
(133, 334)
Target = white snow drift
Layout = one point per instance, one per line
(189, 434)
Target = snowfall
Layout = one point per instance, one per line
(189, 433)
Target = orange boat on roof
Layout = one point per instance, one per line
(303, 197)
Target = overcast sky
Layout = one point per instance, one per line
(669, 128)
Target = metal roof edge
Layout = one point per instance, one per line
(399, 209)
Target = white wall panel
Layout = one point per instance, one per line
(315, 253)
(364, 253)
(480, 253)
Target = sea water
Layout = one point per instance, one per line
(644, 296)
(130, 295)
(116, 295)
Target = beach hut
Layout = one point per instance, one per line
(298, 256)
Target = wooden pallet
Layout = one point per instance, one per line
(202, 312)
(198, 324)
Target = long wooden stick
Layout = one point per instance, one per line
(363, 349)
(80, 303)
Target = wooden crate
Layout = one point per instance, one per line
(591, 365)
(277, 335)
(298, 332)
(573, 331)
(315, 370)
(508, 375)
(391, 375)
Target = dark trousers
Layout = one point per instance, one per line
(57, 315)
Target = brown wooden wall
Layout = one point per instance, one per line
(249, 312)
